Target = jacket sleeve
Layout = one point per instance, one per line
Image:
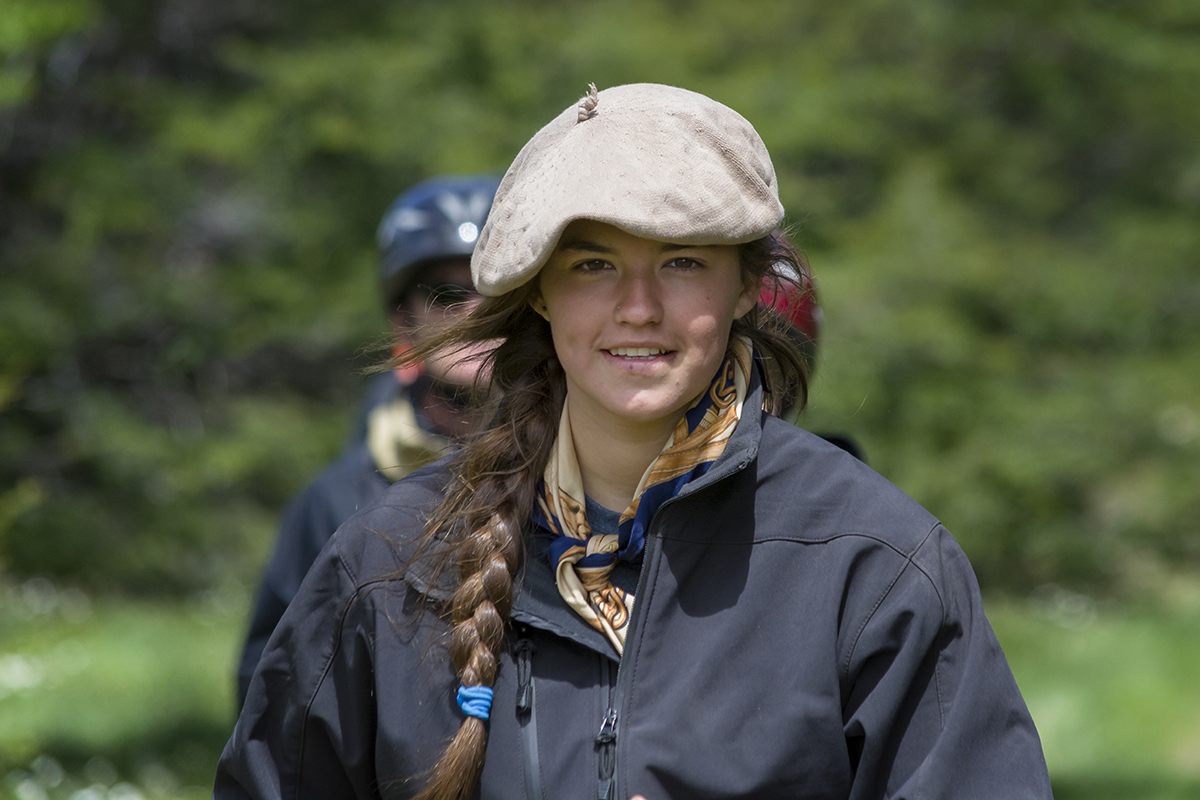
(307, 725)
(307, 525)
(931, 708)
(346, 486)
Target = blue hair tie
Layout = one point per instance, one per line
(475, 701)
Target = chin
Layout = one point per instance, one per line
(649, 414)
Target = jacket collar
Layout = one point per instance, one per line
(742, 447)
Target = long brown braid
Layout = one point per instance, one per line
(498, 471)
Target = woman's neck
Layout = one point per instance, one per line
(613, 455)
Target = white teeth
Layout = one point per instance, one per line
(639, 352)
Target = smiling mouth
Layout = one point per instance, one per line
(637, 352)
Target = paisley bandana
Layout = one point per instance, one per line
(582, 560)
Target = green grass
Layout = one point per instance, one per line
(134, 698)
(136, 695)
(1115, 694)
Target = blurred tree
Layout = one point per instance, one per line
(1001, 200)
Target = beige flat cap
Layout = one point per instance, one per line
(656, 161)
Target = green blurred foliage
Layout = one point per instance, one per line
(1111, 689)
(130, 697)
(1000, 200)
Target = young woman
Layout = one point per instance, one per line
(636, 580)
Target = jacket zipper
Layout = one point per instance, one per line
(526, 716)
(606, 739)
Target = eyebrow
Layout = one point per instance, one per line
(586, 246)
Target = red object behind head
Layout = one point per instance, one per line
(794, 297)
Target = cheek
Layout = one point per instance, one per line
(705, 327)
(572, 314)
(557, 303)
(713, 315)
(709, 338)
(709, 331)
(566, 331)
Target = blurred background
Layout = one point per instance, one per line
(1000, 200)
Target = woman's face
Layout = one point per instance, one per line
(640, 326)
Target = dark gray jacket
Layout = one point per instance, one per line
(346, 486)
(802, 630)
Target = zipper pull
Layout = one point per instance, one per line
(608, 728)
(606, 740)
(524, 650)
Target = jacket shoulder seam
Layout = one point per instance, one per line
(908, 561)
(937, 665)
(798, 540)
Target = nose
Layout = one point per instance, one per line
(639, 300)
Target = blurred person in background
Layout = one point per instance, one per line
(636, 578)
(409, 416)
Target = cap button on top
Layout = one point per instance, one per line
(587, 106)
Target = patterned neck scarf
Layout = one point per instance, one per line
(582, 560)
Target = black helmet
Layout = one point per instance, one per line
(438, 218)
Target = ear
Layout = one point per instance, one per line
(746, 301)
(539, 305)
